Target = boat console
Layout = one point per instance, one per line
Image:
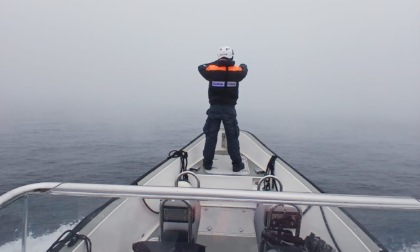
(179, 220)
(179, 223)
(277, 227)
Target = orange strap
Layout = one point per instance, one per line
(223, 68)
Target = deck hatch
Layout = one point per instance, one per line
(227, 221)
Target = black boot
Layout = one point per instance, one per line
(240, 167)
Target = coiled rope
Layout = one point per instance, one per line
(270, 171)
(184, 161)
(71, 239)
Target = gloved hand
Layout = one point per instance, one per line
(202, 67)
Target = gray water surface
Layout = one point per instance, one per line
(358, 157)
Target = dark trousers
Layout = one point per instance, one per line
(215, 115)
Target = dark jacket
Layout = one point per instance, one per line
(224, 78)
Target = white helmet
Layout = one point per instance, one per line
(225, 52)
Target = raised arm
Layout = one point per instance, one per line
(203, 72)
(244, 71)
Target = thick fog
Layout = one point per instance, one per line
(123, 59)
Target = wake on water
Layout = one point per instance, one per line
(43, 242)
(38, 243)
(414, 248)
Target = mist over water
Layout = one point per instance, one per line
(120, 60)
(101, 91)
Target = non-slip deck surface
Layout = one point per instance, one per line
(222, 165)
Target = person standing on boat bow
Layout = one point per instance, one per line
(223, 77)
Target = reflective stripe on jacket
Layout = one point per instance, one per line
(224, 78)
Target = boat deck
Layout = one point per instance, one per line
(225, 214)
(233, 231)
(222, 176)
(222, 165)
(223, 243)
(223, 226)
(216, 243)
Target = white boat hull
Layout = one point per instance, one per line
(229, 216)
(225, 218)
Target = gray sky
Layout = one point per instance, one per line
(311, 58)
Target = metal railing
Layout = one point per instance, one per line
(204, 194)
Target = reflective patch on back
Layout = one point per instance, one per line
(231, 84)
(217, 83)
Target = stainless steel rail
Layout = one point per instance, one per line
(203, 194)
(22, 191)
